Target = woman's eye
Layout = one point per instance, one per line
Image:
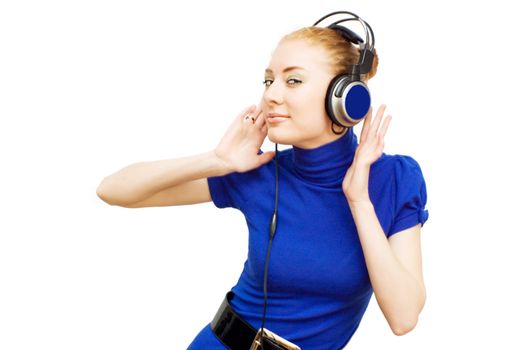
(291, 81)
(294, 81)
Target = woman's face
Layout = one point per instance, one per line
(296, 82)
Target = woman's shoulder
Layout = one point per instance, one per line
(396, 165)
(397, 159)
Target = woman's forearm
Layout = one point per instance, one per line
(400, 296)
(140, 180)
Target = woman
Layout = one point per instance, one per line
(350, 215)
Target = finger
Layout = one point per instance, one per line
(261, 133)
(266, 157)
(260, 118)
(246, 111)
(264, 128)
(379, 148)
(385, 125)
(252, 118)
(374, 127)
(366, 125)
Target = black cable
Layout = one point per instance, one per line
(273, 224)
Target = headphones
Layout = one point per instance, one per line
(348, 99)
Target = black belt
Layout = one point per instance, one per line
(233, 331)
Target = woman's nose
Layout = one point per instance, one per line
(273, 94)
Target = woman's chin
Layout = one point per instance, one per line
(279, 137)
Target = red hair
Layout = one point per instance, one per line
(342, 55)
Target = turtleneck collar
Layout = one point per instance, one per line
(327, 164)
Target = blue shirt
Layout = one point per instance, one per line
(318, 284)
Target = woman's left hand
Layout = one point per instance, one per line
(356, 182)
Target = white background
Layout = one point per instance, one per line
(88, 87)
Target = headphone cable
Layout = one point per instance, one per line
(273, 223)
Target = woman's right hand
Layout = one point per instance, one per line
(239, 147)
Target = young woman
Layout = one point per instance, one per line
(350, 216)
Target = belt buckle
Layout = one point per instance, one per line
(271, 337)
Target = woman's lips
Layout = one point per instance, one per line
(277, 118)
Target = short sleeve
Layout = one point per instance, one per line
(224, 190)
(410, 195)
(233, 189)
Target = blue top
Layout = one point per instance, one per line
(318, 284)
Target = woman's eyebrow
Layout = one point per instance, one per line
(268, 70)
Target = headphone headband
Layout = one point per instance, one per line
(366, 49)
(367, 28)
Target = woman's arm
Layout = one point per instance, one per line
(172, 181)
(140, 181)
(394, 266)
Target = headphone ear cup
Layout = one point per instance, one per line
(331, 102)
(357, 100)
(347, 102)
